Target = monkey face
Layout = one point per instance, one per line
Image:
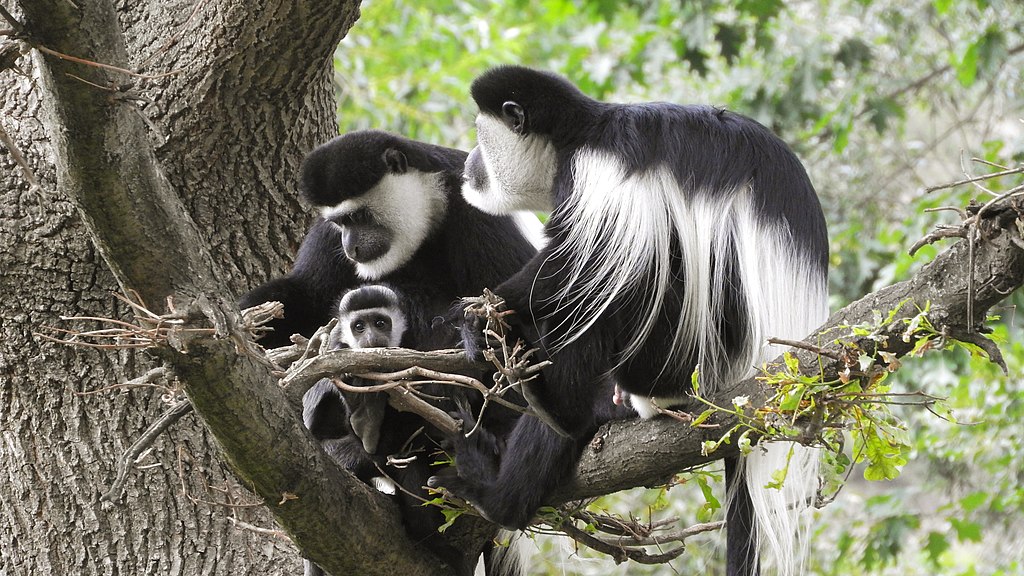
(509, 169)
(383, 227)
(372, 330)
(382, 192)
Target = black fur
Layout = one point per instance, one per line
(339, 420)
(466, 252)
(707, 149)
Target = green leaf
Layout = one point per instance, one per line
(992, 49)
(885, 456)
(881, 111)
(842, 136)
(974, 501)
(967, 67)
(792, 363)
(937, 544)
(709, 495)
(703, 417)
(942, 6)
(450, 515)
(707, 447)
(966, 531)
(853, 53)
(791, 401)
(760, 9)
(711, 504)
(744, 444)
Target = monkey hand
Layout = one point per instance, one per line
(486, 324)
(477, 460)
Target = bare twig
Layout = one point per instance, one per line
(618, 553)
(973, 179)
(19, 28)
(155, 378)
(934, 236)
(150, 330)
(279, 534)
(806, 346)
(416, 373)
(19, 159)
(677, 536)
(110, 67)
(144, 442)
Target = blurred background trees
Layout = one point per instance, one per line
(881, 99)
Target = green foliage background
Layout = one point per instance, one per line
(880, 99)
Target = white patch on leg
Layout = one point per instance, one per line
(384, 484)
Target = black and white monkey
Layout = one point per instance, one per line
(392, 212)
(349, 425)
(680, 237)
(391, 450)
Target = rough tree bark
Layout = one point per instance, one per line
(180, 182)
(128, 167)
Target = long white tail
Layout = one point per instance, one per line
(783, 516)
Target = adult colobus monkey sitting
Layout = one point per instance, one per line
(680, 237)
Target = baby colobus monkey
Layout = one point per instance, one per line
(368, 317)
(679, 237)
(348, 424)
(362, 433)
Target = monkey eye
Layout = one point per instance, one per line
(358, 327)
(381, 324)
(360, 216)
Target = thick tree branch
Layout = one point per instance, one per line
(107, 164)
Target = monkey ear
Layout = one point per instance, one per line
(515, 116)
(396, 162)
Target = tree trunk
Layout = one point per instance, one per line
(234, 94)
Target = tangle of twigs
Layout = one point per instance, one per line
(150, 330)
(627, 539)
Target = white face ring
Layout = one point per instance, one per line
(410, 205)
(520, 170)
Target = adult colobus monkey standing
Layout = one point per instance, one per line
(680, 237)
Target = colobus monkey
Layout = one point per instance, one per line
(680, 237)
(391, 450)
(349, 428)
(391, 211)
(368, 317)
